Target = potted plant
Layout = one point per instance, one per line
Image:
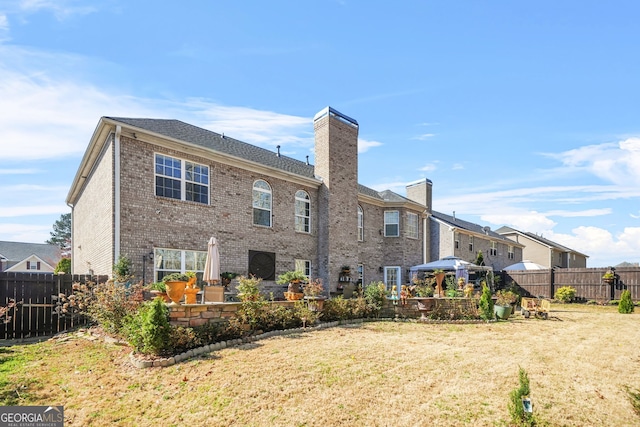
(159, 289)
(313, 294)
(504, 303)
(294, 278)
(226, 278)
(175, 283)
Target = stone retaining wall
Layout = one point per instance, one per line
(201, 314)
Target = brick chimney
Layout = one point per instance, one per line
(336, 158)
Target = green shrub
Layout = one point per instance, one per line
(375, 295)
(335, 309)
(181, 339)
(626, 303)
(122, 270)
(249, 288)
(486, 303)
(518, 415)
(148, 330)
(634, 399)
(565, 294)
(63, 266)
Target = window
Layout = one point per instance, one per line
(412, 225)
(360, 224)
(303, 215)
(178, 261)
(391, 224)
(360, 274)
(510, 253)
(304, 266)
(456, 239)
(33, 265)
(170, 182)
(392, 277)
(470, 243)
(262, 203)
(493, 250)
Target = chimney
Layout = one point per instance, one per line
(422, 192)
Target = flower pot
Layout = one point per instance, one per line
(293, 296)
(315, 303)
(163, 295)
(190, 295)
(175, 291)
(502, 312)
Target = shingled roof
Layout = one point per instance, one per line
(185, 132)
(15, 252)
(469, 226)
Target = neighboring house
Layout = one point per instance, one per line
(451, 236)
(21, 257)
(543, 251)
(156, 190)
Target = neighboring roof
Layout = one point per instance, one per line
(182, 131)
(539, 239)
(17, 251)
(469, 226)
(449, 263)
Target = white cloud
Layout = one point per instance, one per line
(22, 211)
(531, 221)
(61, 9)
(22, 171)
(364, 145)
(14, 232)
(618, 163)
(424, 136)
(457, 166)
(430, 167)
(4, 28)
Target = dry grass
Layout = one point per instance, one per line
(375, 374)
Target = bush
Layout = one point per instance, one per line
(486, 303)
(375, 295)
(111, 303)
(626, 303)
(63, 266)
(565, 294)
(148, 330)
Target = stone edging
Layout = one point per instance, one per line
(169, 361)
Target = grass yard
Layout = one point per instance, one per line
(373, 374)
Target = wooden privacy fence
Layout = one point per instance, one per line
(587, 282)
(35, 315)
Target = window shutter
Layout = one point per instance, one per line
(38, 266)
(28, 265)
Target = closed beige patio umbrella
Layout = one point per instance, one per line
(211, 273)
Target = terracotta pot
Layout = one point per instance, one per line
(175, 290)
(163, 295)
(293, 296)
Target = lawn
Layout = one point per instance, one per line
(372, 374)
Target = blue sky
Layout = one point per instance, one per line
(521, 113)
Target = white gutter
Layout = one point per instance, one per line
(116, 180)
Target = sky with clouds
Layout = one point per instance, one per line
(521, 113)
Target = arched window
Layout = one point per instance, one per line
(360, 224)
(303, 212)
(262, 203)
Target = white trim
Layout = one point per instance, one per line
(116, 183)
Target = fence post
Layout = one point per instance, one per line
(552, 285)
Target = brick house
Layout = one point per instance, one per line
(544, 251)
(156, 190)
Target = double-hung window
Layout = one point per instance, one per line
(456, 238)
(303, 212)
(391, 224)
(181, 179)
(470, 243)
(262, 203)
(510, 253)
(412, 225)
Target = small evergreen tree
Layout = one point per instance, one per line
(63, 266)
(61, 234)
(486, 303)
(626, 303)
(518, 415)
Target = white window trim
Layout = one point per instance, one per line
(306, 268)
(493, 249)
(270, 210)
(391, 223)
(398, 277)
(307, 201)
(183, 179)
(470, 243)
(183, 261)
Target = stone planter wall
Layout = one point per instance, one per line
(201, 314)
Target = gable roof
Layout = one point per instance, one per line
(15, 252)
(470, 226)
(543, 241)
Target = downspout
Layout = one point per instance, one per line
(72, 248)
(116, 180)
(425, 231)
